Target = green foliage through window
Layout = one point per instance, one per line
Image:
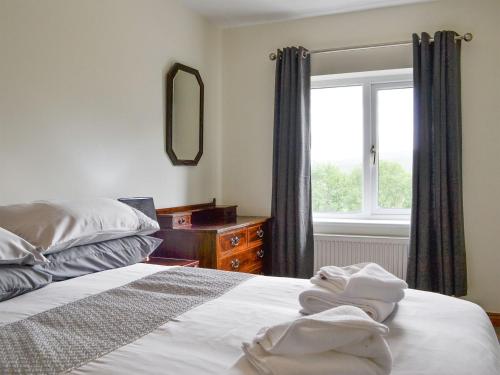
(336, 190)
(394, 185)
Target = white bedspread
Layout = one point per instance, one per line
(429, 333)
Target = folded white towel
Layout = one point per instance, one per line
(338, 341)
(345, 325)
(317, 299)
(327, 363)
(363, 280)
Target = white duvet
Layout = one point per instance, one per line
(429, 333)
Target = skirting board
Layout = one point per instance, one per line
(495, 319)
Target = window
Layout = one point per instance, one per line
(362, 145)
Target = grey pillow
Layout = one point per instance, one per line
(16, 280)
(15, 250)
(54, 226)
(101, 256)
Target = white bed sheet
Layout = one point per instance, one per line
(429, 333)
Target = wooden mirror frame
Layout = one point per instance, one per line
(169, 114)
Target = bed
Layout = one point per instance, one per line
(429, 333)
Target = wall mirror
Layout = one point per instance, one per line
(184, 143)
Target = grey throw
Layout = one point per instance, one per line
(69, 336)
(292, 235)
(437, 245)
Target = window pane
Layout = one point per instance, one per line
(337, 149)
(395, 139)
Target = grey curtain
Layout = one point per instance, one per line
(292, 243)
(437, 245)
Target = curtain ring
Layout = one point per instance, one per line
(275, 55)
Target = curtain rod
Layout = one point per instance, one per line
(466, 37)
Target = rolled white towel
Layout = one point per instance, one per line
(363, 280)
(338, 341)
(317, 299)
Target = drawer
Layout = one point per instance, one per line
(247, 260)
(257, 270)
(256, 234)
(233, 241)
(176, 220)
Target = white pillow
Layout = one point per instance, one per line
(15, 250)
(56, 226)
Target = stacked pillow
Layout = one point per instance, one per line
(61, 240)
(100, 256)
(16, 277)
(15, 250)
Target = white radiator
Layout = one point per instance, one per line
(342, 250)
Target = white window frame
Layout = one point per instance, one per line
(371, 82)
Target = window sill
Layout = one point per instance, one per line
(366, 227)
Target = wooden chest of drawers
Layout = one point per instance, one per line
(240, 246)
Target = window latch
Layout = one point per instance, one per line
(373, 152)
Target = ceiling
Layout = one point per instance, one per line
(231, 13)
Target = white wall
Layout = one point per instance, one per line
(248, 91)
(82, 99)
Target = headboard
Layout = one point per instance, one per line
(144, 204)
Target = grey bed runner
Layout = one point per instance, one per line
(69, 336)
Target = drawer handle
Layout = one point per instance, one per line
(260, 233)
(235, 264)
(182, 220)
(260, 253)
(235, 241)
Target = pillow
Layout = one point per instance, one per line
(17, 280)
(15, 250)
(56, 226)
(85, 259)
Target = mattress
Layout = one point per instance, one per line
(429, 333)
